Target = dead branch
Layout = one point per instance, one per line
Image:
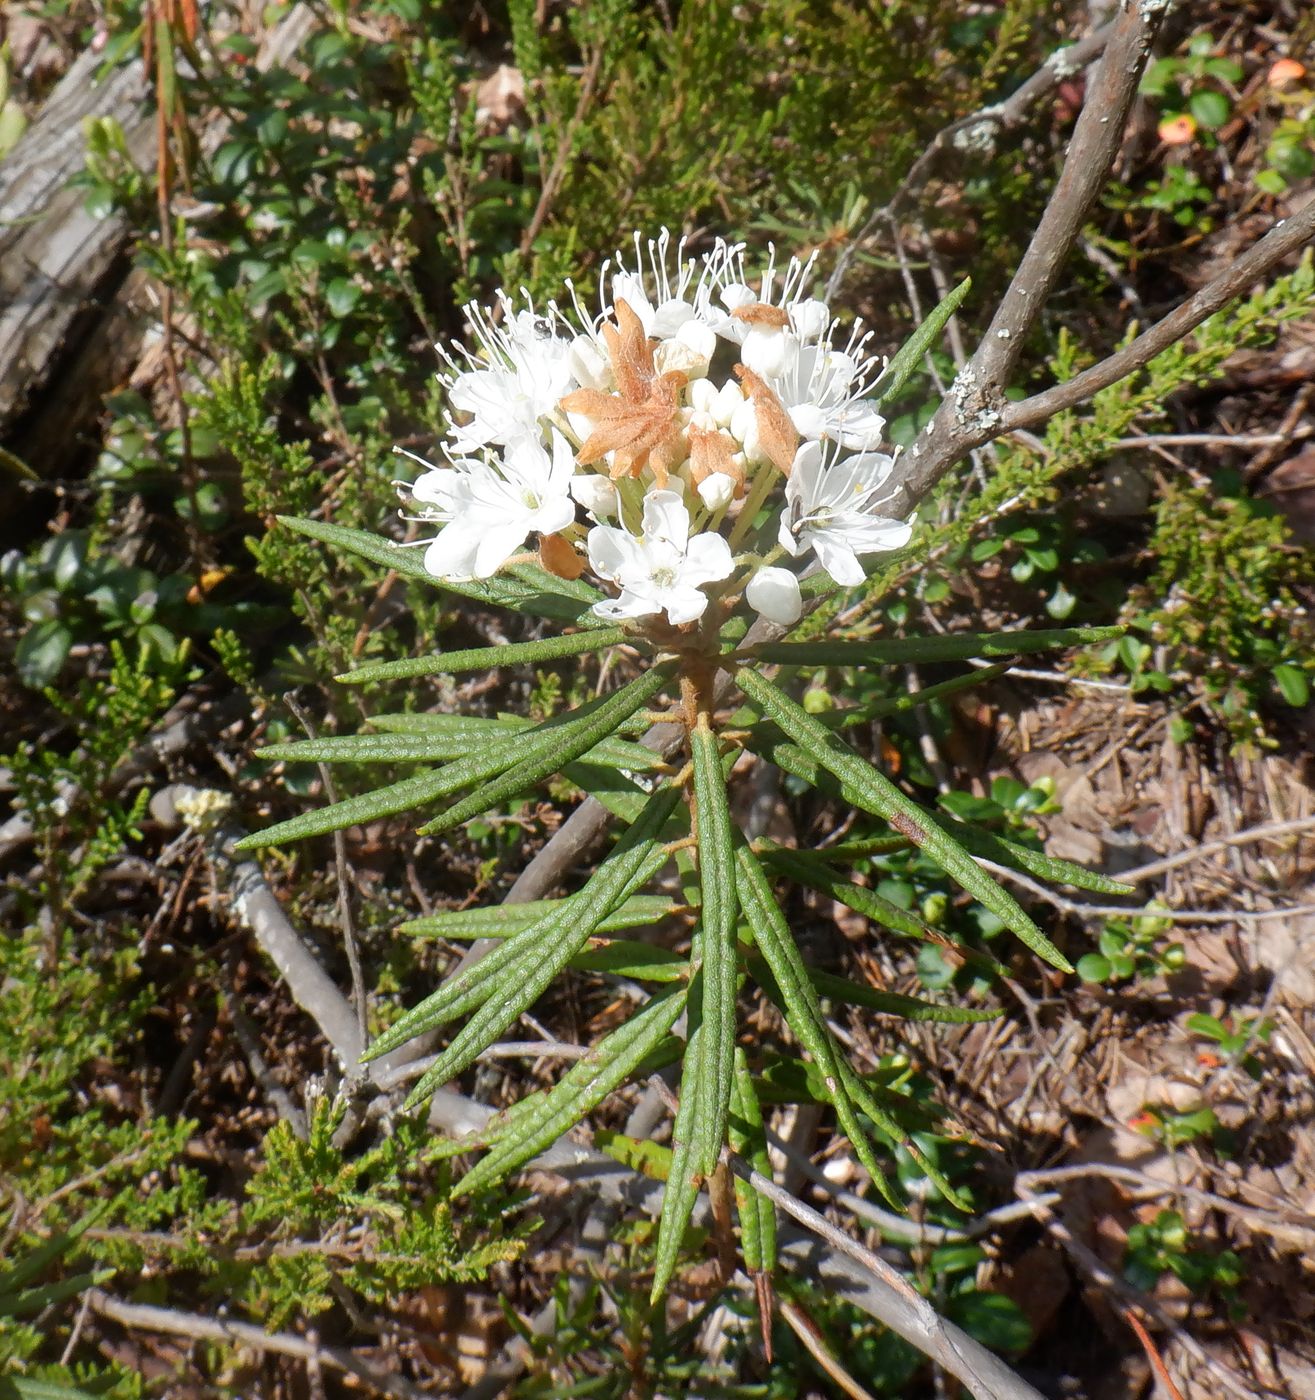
(985, 126)
(198, 1328)
(971, 414)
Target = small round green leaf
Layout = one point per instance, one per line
(1211, 109)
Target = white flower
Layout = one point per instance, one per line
(666, 299)
(829, 508)
(824, 391)
(489, 509)
(774, 594)
(661, 570)
(756, 319)
(669, 307)
(524, 371)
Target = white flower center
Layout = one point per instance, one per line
(664, 577)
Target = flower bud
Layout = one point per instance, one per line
(774, 594)
(716, 490)
(595, 493)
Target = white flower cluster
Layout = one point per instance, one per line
(694, 401)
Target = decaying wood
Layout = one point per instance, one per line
(54, 254)
(62, 302)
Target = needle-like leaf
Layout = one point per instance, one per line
(909, 357)
(714, 943)
(960, 646)
(549, 753)
(608, 1065)
(874, 792)
(446, 663)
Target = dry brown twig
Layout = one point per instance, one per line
(198, 1328)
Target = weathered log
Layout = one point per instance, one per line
(67, 300)
(54, 253)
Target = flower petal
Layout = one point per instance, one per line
(708, 559)
(665, 518)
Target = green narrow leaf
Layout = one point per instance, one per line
(1000, 849)
(749, 1140)
(799, 1002)
(895, 1003)
(714, 944)
(576, 735)
(486, 658)
(503, 591)
(608, 1065)
(911, 700)
(887, 1124)
(432, 748)
(549, 945)
(641, 961)
(535, 576)
(806, 868)
(910, 355)
(957, 647)
(818, 875)
(642, 1155)
(685, 1176)
(875, 793)
(404, 796)
(502, 920)
(445, 725)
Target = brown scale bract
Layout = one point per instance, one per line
(710, 450)
(640, 423)
(761, 313)
(559, 556)
(777, 435)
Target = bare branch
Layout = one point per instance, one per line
(1287, 237)
(969, 417)
(986, 124)
(887, 1294)
(199, 1328)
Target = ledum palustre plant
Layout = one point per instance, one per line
(673, 480)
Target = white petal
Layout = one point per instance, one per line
(627, 605)
(612, 551)
(805, 474)
(452, 554)
(494, 544)
(437, 487)
(734, 295)
(703, 396)
(765, 352)
(729, 400)
(809, 420)
(683, 604)
(671, 317)
(554, 515)
(809, 318)
(665, 518)
(707, 560)
(774, 594)
(589, 366)
(836, 557)
(787, 539)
